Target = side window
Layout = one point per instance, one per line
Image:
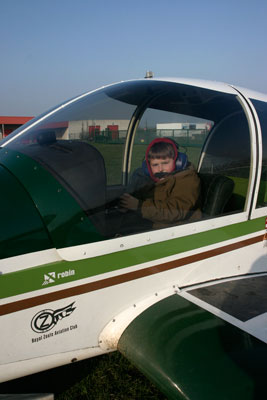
(261, 108)
(188, 132)
(217, 145)
(227, 154)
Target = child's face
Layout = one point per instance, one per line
(161, 165)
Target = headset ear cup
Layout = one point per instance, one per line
(181, 161)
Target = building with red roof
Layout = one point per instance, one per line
(9, 124)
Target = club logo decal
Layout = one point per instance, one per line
(45, 320)
(50, 277)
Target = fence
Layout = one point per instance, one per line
(184, 137)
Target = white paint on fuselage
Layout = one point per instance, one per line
(94, 310)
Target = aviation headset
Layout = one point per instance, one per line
(180, 159)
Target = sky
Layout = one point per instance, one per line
(53, 50)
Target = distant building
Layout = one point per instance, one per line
(9, 124)
(178, 129)
(88, 129)
(83, 129)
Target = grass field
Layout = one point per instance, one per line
(106, 377)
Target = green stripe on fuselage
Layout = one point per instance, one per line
(31, 279)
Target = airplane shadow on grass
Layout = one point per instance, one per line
(105, 377)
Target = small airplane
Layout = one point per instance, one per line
(185, 303)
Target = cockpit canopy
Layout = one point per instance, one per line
(93, 145)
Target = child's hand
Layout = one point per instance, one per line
(129, 202)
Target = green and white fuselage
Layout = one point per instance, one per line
(72, 287)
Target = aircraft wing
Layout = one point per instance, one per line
(206, 342)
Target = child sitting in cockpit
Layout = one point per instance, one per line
(171, 191)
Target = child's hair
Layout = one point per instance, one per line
(161, 150)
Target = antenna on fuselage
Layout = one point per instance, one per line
(149, 74)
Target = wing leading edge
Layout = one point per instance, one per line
(189, 353)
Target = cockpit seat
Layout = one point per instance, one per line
(216, 192)
(79, 167)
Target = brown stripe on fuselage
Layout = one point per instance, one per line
(116, 280)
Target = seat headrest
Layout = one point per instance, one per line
(46, 138)
(216, 192)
